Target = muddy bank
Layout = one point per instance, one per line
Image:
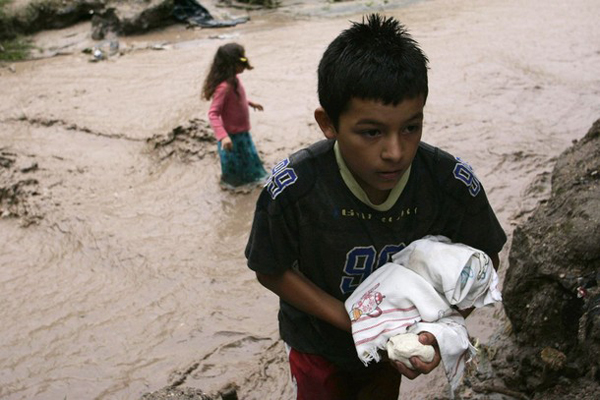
(190, 141)
(19, 187)
(550, 346)
(99, 27)
(551, 291)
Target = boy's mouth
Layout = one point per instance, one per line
(390, 175)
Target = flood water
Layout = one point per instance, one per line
(127, 273)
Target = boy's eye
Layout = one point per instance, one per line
(413, 128)
(370, 132)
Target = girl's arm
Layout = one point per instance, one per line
(216, 110)
(303, 294)
(255, 106)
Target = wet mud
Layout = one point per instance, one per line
(132, 278)
(191, 141)
(18, 188)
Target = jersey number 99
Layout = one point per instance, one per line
(362, 261)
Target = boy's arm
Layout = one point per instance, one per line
(303, 294)
(496, 263)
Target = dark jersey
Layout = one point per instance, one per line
(308, 219)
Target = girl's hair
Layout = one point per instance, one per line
(224, 67)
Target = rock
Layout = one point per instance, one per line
(108, 16)
(131, 17)
(54, 14)
(174, 393)
(188, 393)
(551, 294)
(553, 358)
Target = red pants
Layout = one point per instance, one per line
(318, 379)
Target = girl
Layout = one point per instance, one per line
(230, 119)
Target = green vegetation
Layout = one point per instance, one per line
(13, 47)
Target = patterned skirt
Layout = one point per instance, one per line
(241, 165)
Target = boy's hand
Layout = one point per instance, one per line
(226, 143)
(420, 367)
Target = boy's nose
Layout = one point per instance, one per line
(392, 148)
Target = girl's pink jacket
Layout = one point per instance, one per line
(229, 113)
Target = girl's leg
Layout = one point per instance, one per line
(249, 167)
(229, 166)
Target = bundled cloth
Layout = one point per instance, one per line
(419, 291)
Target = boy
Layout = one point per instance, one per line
(334, 212)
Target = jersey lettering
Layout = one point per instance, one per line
(281, 177)
(464, 173)
(385, 256)
(361, 262)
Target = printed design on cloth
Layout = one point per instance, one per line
(367, 305)
(417, 292)
(465, 275)
(397, 320)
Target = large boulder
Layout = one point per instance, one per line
(34, 16)
(117, 17)
(551, 294)
(127, 18)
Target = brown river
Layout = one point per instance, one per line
(125, 273)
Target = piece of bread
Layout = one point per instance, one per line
(402, 347)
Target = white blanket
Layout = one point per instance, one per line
(418, 296)
(463, 274)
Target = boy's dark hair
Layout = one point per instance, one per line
(223, 68)
(376, 60)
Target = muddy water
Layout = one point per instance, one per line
(132, 276)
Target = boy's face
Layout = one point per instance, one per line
(378, 142)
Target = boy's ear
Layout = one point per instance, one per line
(325, 123)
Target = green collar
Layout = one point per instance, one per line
(360, 193)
